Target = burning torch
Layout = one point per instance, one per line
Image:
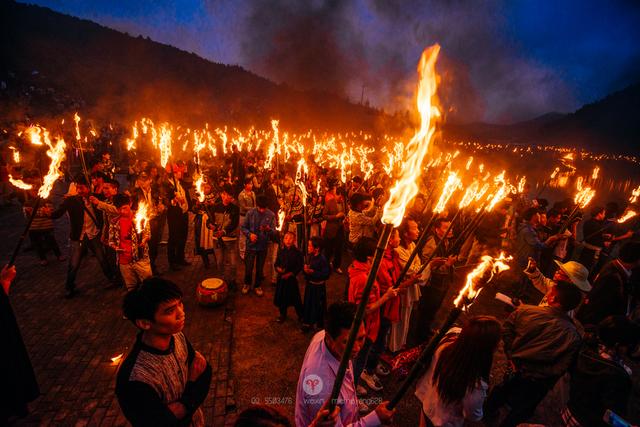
(489, 266)
(404, 190)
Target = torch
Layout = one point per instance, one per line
(451, 185)
(465, 298)
(141, 219)
(581, 200)
(403, 191)
(56, 153)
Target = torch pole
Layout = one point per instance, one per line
(422, 240)
(23, 236)
(425, 357)
(542, 188)
(357, 320)
(469, 228)
(566, 224)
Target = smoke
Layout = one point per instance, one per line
(373, 47)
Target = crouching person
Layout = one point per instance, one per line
(131, 247)
(163, 380)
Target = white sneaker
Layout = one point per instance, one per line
(382, 370)
(245, 289)
(361, 391)
(259, 291)
(371, 381)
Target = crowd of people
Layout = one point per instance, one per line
(282, 227)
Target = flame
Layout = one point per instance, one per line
(199, 190)
(555, 173)
(281, 215)
(521, 184)
(116, 359)
(594, 174)
(76, 118)
(406, 187)
(469, 194)
(469, 162)
(635, 194)
(584, 194)
(628, 215)
(501, 192)
(37, 134)
(20, 183)
(273, 147)
(452, 184)
(57, 154)
(16, 154)
(142, 217)
(164, 144)
(489, 263)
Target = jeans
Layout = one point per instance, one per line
(135, 272)
(43, 240)
(227, 259)
(258, 258)
(77, 250)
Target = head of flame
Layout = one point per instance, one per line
(406, 186)
(473, 282)
(142, 217)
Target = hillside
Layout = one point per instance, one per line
(54, 64)
(611, 124)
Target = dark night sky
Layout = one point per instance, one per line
(501, 61)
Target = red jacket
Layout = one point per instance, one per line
(358, 272)
(387, 276)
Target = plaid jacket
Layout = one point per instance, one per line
(114, 239)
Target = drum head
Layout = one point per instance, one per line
(212, 283)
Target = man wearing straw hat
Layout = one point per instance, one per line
(570, 271)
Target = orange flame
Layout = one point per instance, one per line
(199, 190)
(281, 215)
(635, 194)
(595, 173)
(452, 184)
(489, 263)
(469, 194)
(142, 217)
(16, 154)
(116, 359)
(406, 186)
(20, 183)
(584, 194)
(501, 192)
(76, 118)
(628, 215)
(56, 153)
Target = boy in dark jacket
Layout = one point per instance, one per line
(289, 263)
(316, 272)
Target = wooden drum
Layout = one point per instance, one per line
(212, 291)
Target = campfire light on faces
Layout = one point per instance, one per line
(406, 186)
(489, 264)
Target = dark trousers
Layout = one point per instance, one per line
(156, 228)
(361, 359)
(178, 230)
(78, 249)
(521, 394)
(379, 345)
(421, 318)
(258, 259)
(42, 240)
(334, 248)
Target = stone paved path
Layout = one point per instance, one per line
(71, 342)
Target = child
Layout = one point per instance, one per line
(163, 380)
(288, 264)
(316, 272)
(132, 249)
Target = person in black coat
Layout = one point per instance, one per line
(18, 382)
(85, 226)
(289, 263)
(148, 191)
(177, 218)
(612, 291)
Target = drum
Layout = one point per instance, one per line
(212, 291)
